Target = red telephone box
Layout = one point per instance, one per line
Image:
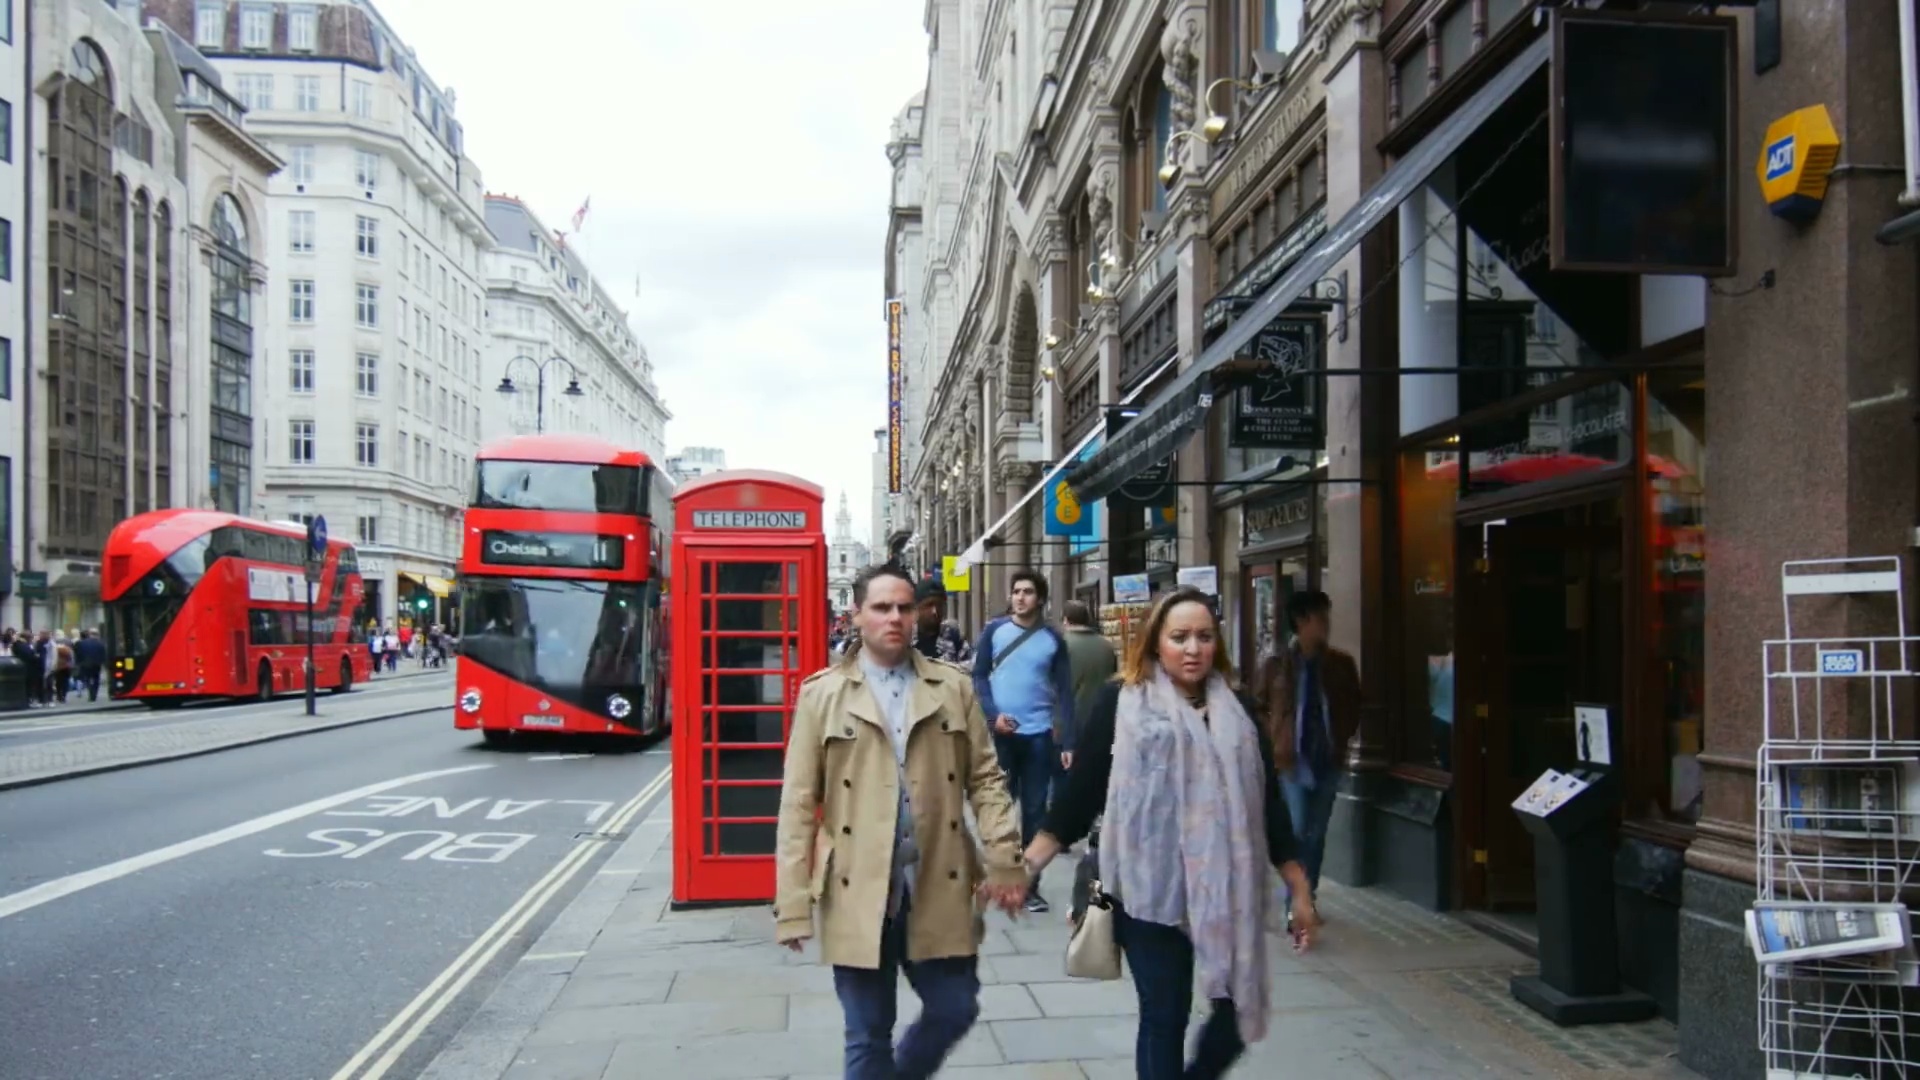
(749, 603)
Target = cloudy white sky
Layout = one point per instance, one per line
(735, 156)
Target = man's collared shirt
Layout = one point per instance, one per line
(892, 688)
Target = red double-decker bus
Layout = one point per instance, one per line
(203, 604)
(562, 590)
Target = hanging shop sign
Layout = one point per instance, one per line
(1643, 131)
(896, 394)
(1277, 407)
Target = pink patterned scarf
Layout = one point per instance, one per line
(1184, 842)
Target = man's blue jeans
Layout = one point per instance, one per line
(1030, 762)
(1311, 809)
(949, 990)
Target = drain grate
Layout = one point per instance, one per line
(599, 836)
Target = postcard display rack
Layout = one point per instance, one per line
(1837, 811)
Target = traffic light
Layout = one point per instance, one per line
(422, 602)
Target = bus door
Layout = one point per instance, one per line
(748, 628)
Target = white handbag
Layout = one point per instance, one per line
(1092, 952)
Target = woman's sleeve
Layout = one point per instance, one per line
(1282, 848)
(1084, 796)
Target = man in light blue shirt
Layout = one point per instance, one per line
(1024, 681)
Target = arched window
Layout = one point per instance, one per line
(1162, 134)
(230, 225)
(88, 67)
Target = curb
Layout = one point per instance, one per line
(490, 1040)
(37, 779)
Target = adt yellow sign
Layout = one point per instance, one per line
(1796, 158)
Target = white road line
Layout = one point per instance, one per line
(558, 757)
(575, 955)
(47, 892)
(451, 983)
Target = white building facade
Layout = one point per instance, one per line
(373, 375)
(228, 238)
(549, 321)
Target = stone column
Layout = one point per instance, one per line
(1805, 465)
(1362, 425)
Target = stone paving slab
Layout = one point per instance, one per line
(1393, 992)
(200, 733)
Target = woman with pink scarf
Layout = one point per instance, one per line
(1172, 756)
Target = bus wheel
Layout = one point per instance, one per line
(265, 689)
(346, 676)
(496, 736)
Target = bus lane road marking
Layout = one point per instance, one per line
(441, 845)
(374, 1060)
(58, 888)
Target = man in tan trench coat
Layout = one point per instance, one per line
(887, 750)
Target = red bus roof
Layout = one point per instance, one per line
(729, 477)
(572, 449)
(139, 543)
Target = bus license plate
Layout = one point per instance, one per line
(532, 720)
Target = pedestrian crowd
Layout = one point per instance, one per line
(57, 663)
(1202, 799)
(429, 647)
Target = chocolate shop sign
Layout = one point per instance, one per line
(1265, 523)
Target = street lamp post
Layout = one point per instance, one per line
(507, 389)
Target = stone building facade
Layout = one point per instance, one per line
(1137, 212)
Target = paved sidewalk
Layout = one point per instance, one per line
(204, 732)
(622, 988)
(77, 704)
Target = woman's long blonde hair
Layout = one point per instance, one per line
(1143, 652)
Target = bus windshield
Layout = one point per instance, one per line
(564, 636)
(563, 486)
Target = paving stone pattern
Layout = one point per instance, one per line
(1394, 992)
(199, 731)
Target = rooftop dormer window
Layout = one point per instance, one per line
(210, 25)
(256, 28)
(303, 29)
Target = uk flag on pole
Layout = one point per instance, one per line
(580, 215)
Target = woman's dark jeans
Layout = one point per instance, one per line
(1161, 961)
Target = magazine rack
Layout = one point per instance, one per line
(1837, 818)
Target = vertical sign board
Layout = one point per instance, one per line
(894, 394)
(1279, 408)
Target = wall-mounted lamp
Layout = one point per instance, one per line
(1169, 172)
(1052, 340)
(1217, 121)
(1094, 292)
(1046, 374)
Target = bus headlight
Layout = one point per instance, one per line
(619, 707)
(470, 702)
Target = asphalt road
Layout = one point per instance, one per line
(259, 913)
(36, 726)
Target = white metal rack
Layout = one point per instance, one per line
(1837, 817)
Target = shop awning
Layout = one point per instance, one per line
(977, 551)
(439, 586)
(1163, 425)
